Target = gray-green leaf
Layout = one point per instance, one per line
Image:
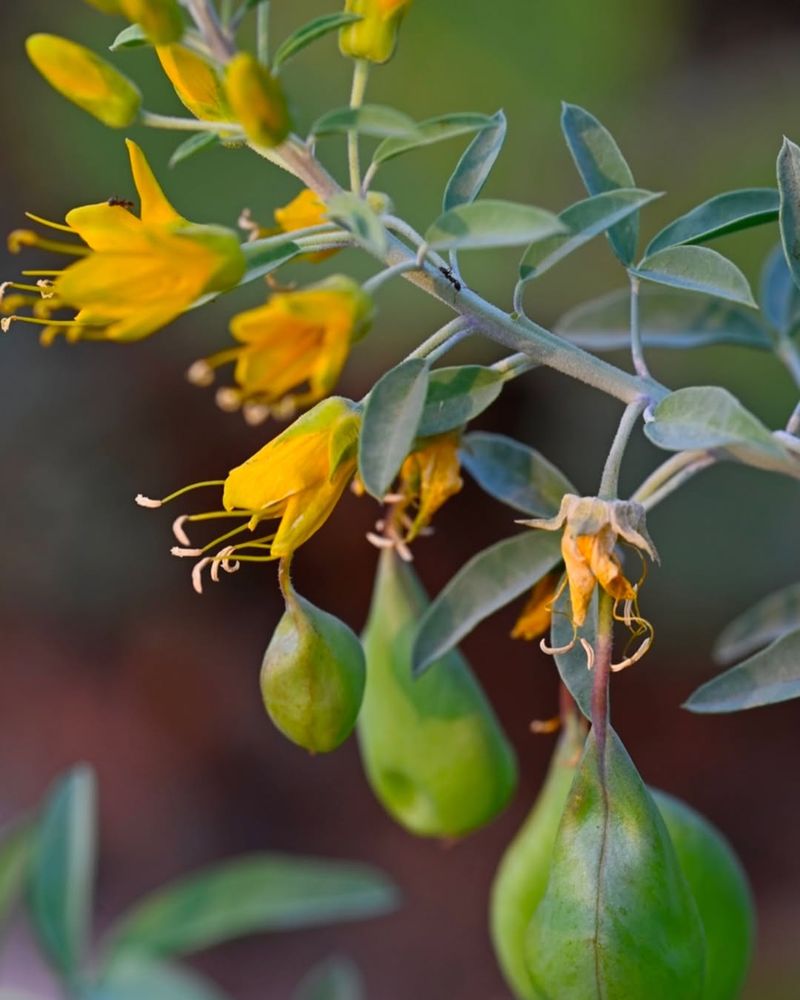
(719, 216)
(514, 474)
(430, 131)
(779, 296)
(147, 979)
(391, 418)
(308, 33)
(262, 892)
(62, 868)
(696, 269)
(456, 395)
(572, 664)
(474, 167)
(583, 220)
(769, 677)
(358, 216)
(789, 187)
(769, 619)
(263, 260)
(335, 979)
(487, 223)
(602, 168)
(370, 119)
(132, 37)
(489, 581)
(192, 146)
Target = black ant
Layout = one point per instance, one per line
(448, 273)
(116, 202)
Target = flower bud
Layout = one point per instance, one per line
(161, 20)
(374, 37)
(257, 101)
(196, 81)
(312, 677)
(85, 79)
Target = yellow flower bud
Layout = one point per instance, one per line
(161, 20)
(257, 100)
(85, 79)
(196, 81)
(374, 37)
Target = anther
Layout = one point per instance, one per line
(543, 727)
(178, 532)
(228, 400)
(144, 501)
(197, 574)
(379, 541)
(183, 553)
(589, 650)
(45, 288)
(255, 414)
(200, 373)
(630, 660)
(556, 650)
(5, 323)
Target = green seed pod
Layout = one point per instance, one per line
(525, 867)
(433, 750)
(721, 892)
(312, 677)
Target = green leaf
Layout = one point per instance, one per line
(194, 144)
(456, 395)
(391, 418)
(602, 168)
(708, 417)
(487, 223)
(370, 119)
(430, 131)
(262, 892)
(62, 868)
(769, 619)
(360, 218)
(263, 260)
(779, 296)
(727, 213)
(132, 37)
(572, 664)
(789, 187)
(474, 167)
(335, 979)
(489, 581)
(514, 474)
(583, 221)
(617, 918)
(669, 318)
(308, 33)
(696, 269)
(144, 979)
(15, 853)
(769, 677)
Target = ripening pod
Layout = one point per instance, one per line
(720, 889)
(374, 37)
(522, 876)
(161, 20)
(312, 677)
(433, 750)
(85, 79)
(257, 100)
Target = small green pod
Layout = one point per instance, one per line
(722, 894)
(312, 677)
(433, 750)
(521, 878)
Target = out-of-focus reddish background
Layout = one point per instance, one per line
(108, 656)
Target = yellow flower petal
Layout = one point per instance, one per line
(196, 81)
(534, 620)
(155, 208)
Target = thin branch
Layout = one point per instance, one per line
(609, 484)
(206, 19)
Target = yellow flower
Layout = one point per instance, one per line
(302, 212)
(534, 620)
(85, 79)
(257, 101)
(292, 349)
(428, 478)
(591, 531)
(374, 37)
(295, 479)
(134, 275)
(197, 83)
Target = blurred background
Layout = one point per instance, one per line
(109, 657)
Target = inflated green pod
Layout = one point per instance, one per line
(433, 750)
(721, 892)
(522, 876)
(312, 677)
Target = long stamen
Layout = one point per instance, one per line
(144, 501)
(5, 323)
(20, 238)
(51, 225)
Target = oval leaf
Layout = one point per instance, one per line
(192, 146)
(572, 664)
(263, 892)
(617, 919)
(669, 318)
(727, 213)
(132, 37)
(771, 618)
(602, 168)
(391, 418)
(456, 395)
(697, 269)
(357, 215)
(491, 224)
(145, 979)
(584, 220)
(263, 260)
(309, 33)
(769, 677)
(779, 295)
(62, 866)
(430, 131)
(514, 474)
(789, 187)
(489, 581)
(336, 979)
(370, 119)
(474, 167)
